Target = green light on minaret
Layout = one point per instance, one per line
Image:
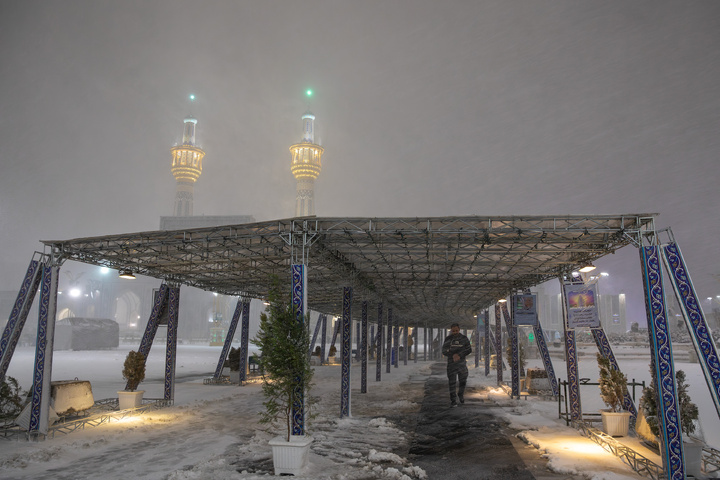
(192, 97)
(309, 93)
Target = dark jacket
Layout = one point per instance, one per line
(459, 344)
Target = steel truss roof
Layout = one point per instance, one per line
(433, 270)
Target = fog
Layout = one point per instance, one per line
(424, 108)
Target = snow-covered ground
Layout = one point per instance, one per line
(212, 432)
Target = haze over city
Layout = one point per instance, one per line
(424, 109)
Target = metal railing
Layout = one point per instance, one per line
(593, 417)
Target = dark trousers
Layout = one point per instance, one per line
(457, 373)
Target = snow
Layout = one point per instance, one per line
(212, 431)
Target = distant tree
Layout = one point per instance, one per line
(12, 398)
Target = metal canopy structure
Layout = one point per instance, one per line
(434, 270)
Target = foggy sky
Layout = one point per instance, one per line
(424, 108)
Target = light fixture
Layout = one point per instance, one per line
(588, 267)
(127, 273)
(502, 300)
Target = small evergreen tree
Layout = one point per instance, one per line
(688, 410)
(12, 398)
(613, 384)
(134, 370)
(233, 360)
(284, 343)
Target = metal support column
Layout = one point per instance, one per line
(572, 362)
(545, 355)
(396, 341)
(379, 343)
(664, 372)
(694, 319)
(299, 302)
(315, 334)
(42, 375)
(363, 348)
(228, 340)
(498, 345)
(477, 340)
(486, 344)
(515, 366)
(346, 351)
(323, 340)
(388, 356)
(244, 340)
(406, 347)
(171, 343)
(18, 315)
(159, 308)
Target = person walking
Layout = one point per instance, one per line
(456, 347)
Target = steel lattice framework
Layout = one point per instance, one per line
(434, 269)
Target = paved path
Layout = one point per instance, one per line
(470, 441)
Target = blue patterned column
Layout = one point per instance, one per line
(379, 343)
(315, 334)
(513, 335)
(606, 351)
(572, 363)
(425, 342)
(323, 340)
(335, 334)
(486, 345)
(478, 321)
(299, 302)
(363, 348)
(498, 345)
(396, 341)
(431, 333)
(244, 339)
(346, 352)
(664, 371)
(545, 355)
(18, 316)
(228, 340)
(171, 346)
(42, 376)
(406, 347)
(151, 328)
(694, 319)
(388, 356)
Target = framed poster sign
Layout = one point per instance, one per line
(525, 310)
(581, 306)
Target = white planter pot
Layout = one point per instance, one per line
(130, 399)
(290, 457)
(693, 458)
(615, 424)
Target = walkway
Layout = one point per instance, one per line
(470, 441)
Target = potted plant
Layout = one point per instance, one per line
(331, 354)
(688, 415)
(284, 364)
(233, 361)
(613, 387)
(134, 373)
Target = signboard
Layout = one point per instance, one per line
(581, 306)
(525, 310)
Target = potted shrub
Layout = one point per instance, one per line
(331, 354)
(688, 415)
(284, 364)
(233, 361)
(613, 387)
(134, 373)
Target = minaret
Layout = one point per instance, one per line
(305, 157)
(186, 168)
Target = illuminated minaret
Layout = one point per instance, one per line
(186, 168)
(305, 157)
